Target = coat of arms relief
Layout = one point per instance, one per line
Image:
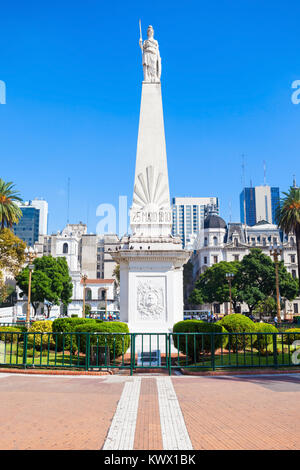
(150, 301)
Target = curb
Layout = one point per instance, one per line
(53, 372)
(241, 372)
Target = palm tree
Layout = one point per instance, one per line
(10, 213)
(288, 217)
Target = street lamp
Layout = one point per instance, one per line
(105, 290)
(229, 277)
(84, 279)
(276, 251)
(31, 254)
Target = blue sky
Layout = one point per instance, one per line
(73, 75)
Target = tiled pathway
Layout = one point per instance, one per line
(149, 412)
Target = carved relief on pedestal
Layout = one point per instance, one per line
(150, 301)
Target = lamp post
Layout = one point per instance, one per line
(276, 251)
(84, 279)
(229, 277)
(105, 290)
(31, 254)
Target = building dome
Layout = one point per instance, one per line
(214, 221)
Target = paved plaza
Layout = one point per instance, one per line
(149, 412)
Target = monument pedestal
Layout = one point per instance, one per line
(151, 294)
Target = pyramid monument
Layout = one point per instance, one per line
(151, 259)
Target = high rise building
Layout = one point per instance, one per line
(33, 221)
(188, 214)
(259, 203)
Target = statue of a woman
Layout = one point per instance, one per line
(151, 57)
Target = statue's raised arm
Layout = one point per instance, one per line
(151, 57)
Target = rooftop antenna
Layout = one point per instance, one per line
(294, 181)
(244, 188)
(68, 200)
(264, 172)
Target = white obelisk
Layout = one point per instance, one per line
(151, 259)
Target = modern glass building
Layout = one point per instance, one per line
(188, 214)
(28, 227)
(259, 203)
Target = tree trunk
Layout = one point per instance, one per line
(35, 307)
(48, 310)
(297, 231)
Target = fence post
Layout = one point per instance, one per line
(87, 352)
(169, 355)
(275, 354)
(212, 345)
(25, 350)
(132, 353)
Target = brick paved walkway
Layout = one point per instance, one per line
(42, 412)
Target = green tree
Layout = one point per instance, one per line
(256, 279)
(187, 281)
(288, 217)
(10, 213)
(212, 285)
(266, 306)
(253, 282)
(12, 258)
(50, 282)
(12, 251)
(116, 273)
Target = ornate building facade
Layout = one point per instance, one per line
(87, 254)
(219, 241)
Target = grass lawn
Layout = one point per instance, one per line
(243, 359)
(12, 354)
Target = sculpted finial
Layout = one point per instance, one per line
(151, 58)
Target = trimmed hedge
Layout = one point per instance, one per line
(237, 323)
(289, 339)
(44, 326)
(116, 343)
(68, 325)
(193, 345)
(10, 338)
(261, 341)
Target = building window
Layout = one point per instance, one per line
(88, 294)
(205, 241)
(215, 240)
(236, 257)
(294, 274)
(215, 259)
(65, 248)
(296, 308)
(217, 308)
(236, 242)
(293, 259)
(205, 259)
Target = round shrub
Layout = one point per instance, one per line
(293, 336)
(37, 339)
(262, 340)
(193, 345)
(237, 323)
(8, 334)
(116, 343)
(67, 325)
